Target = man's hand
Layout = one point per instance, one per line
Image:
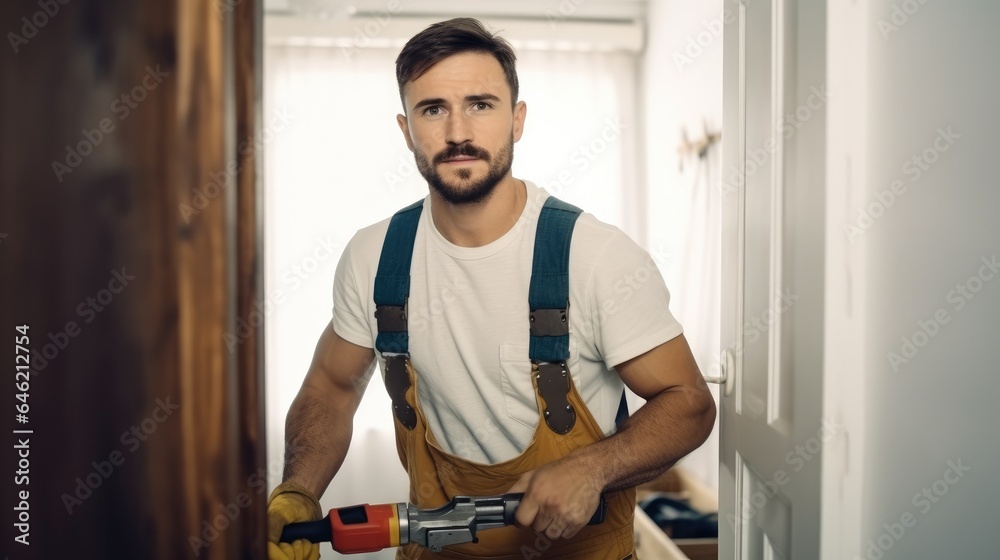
(559, 498)
(291, 503)
(562, 496)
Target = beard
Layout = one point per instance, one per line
(468, 191)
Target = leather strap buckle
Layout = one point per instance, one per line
(391, 318)
(553, 385)
(397, 382)
(548, 322)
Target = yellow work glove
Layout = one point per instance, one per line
(291, 503)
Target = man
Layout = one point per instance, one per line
(449, 297)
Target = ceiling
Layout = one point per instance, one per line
(578, 10)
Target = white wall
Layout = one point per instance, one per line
(681, 85)
(933, 70)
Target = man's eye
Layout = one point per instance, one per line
(481, 105)
(432, 111)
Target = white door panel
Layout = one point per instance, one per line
(772, 280)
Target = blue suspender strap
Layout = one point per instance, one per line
(548, 293)
(548, 300)
(392, 288)
(548, 303)
(622, 415)
(392, 280)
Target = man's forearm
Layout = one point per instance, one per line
(668, 427)
(317, 435)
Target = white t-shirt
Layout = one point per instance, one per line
(468, 324)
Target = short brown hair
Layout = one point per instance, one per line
(446, 38)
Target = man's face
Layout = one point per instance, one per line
(460, 126)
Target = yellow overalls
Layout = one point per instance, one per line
(435, 475)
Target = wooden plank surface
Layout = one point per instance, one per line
(148, 428)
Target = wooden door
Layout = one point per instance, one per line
(144, 428)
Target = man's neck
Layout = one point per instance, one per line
(475, 225)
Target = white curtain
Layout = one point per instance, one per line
(340, 163)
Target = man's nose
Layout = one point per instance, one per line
(459, 129)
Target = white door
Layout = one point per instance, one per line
(772, 432)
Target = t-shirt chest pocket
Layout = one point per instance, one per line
(515, 379)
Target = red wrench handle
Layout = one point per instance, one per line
(351, 530)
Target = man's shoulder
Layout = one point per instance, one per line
(367, 241)
(588, 232)
(599, 247)
(369, 237)
(591, 236)
(591, 227)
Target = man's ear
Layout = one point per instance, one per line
(404, 126)
(520, 110)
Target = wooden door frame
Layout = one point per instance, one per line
(155, 358)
